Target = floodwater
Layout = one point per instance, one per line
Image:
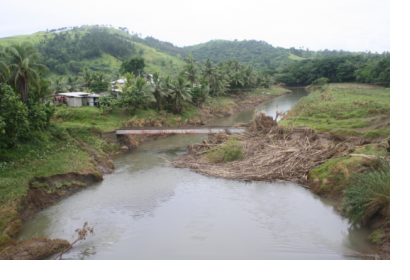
(150, 210)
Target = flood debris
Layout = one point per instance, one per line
(271, 152)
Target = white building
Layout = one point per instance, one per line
(78, 99)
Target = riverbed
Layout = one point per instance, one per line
(149, 210)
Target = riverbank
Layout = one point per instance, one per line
(328, 136)
(71, 155)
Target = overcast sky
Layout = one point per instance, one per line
(354, 25)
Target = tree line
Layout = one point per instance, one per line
(195, 83)
(373, 69)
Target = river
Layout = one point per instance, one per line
(149, 210)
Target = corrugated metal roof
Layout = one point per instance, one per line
(78, 94)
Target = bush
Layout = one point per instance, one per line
(369, 194)
(229, 152)
(320, 82)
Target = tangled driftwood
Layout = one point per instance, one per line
(271, 153)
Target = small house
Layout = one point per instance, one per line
(77, 99)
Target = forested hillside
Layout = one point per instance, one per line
(103, 49)
(98, 48)
(372, 69)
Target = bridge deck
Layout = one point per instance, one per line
(180, 130)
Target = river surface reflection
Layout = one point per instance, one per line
(150, 210)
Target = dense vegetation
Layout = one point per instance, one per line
(64, 52)
(372, 69)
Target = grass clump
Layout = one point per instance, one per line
(228, 152)
(369, 194)
(375, 237)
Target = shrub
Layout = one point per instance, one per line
(229, 152)
(320, 82)
(369, 194)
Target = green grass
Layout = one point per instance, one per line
(32, 38)
(368, 195)
(375, 237)
(226, 153)
(342, 111)
(337, 172)
(295, 57)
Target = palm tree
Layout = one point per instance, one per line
(237, 78)
(74, 83)
(129, 80)
(208, 70)
(87, 76)
(236, 66)
(180, 90)
(41, 88)
(4, 69)
(23, 66)
(219, 82)
(140, 93)
(58, 85)
(159, 91)
(191, 73)
(250, 76)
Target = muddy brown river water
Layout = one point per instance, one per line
(150, 210)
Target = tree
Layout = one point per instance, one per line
(58, 85)
(22, 63)
(191, 73)
(219, 83)
(208, 71)
(134, 65)
(4, 69)
(87, 76)
(237, 79)
(74, 83)
(41, 88)
(180, 91)
(159, 91)
(14, 116)
(140, 93)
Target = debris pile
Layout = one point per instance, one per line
(271, 153)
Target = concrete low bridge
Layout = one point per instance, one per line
(180, 130)
(116, 135)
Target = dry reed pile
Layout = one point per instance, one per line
(271, 153)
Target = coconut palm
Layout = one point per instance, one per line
(249, 76)
(236, 66)
(22, 64)
(4, 69)
(129, 80)
(58, 85)
(237, 78)
(180, 91)
(140, 93)
(208, 71)
(101, 77)
(74, 83)
(87, 76)
(159, 89)
(219, 83)
(191, 73)
(41, 88)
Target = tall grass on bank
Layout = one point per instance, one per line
(369, 194)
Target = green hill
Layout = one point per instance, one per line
(99, 48)
(104, 48)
